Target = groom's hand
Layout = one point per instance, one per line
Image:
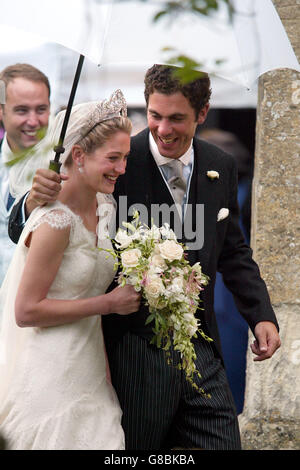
(267, 340)
(45, 188)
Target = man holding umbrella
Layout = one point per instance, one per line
(160, 408)
(24, 112)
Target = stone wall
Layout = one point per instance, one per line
(271, 415)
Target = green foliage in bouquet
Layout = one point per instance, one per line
(154, 263)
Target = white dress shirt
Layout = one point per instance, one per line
(5, 157)
(187, 160)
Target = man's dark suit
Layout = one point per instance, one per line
(224, 250)
(160, 408)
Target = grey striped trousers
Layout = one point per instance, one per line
(160, 408)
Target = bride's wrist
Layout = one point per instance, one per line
(107, 304)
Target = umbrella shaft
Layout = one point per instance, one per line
(55, 164)
(71, 99)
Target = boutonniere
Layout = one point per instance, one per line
(222, 214)
(212, 174)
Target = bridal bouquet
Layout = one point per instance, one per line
(154, 262)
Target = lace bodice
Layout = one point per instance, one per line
(56, 218)
(85, 269)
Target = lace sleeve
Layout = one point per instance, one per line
(58, 219)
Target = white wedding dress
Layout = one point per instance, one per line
(53, 389)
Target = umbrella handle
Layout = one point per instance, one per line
(55, 166)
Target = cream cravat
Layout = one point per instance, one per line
(176, 181)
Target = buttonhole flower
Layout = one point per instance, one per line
(212, 174)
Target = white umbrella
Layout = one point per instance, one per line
(113, 33)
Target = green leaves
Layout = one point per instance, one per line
(199, 7)
(30, 152)
(189, 69)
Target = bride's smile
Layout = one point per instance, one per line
(100, 169)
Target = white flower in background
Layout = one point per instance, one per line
(171, 250)
(130, 258)
(212, 174)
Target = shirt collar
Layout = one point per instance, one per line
(6, 154)
(161, 160)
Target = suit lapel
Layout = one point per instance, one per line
(149, 182)
(203, 192)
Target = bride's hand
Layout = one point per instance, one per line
(124, 300)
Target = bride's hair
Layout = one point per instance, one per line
(100, 134)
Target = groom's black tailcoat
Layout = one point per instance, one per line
(224, 248)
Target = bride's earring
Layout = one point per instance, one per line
(80, 169)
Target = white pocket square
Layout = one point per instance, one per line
(223, 213)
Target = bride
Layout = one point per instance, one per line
(55, 391)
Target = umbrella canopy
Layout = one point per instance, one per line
(59, 62)
(116, 32)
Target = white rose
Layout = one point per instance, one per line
(154, 287)
(212, 174)
(130, 258)
(123, 239)
(157, 261)
(171, 250)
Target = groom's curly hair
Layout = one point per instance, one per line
(161, 79)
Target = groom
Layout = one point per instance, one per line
(160, 409)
